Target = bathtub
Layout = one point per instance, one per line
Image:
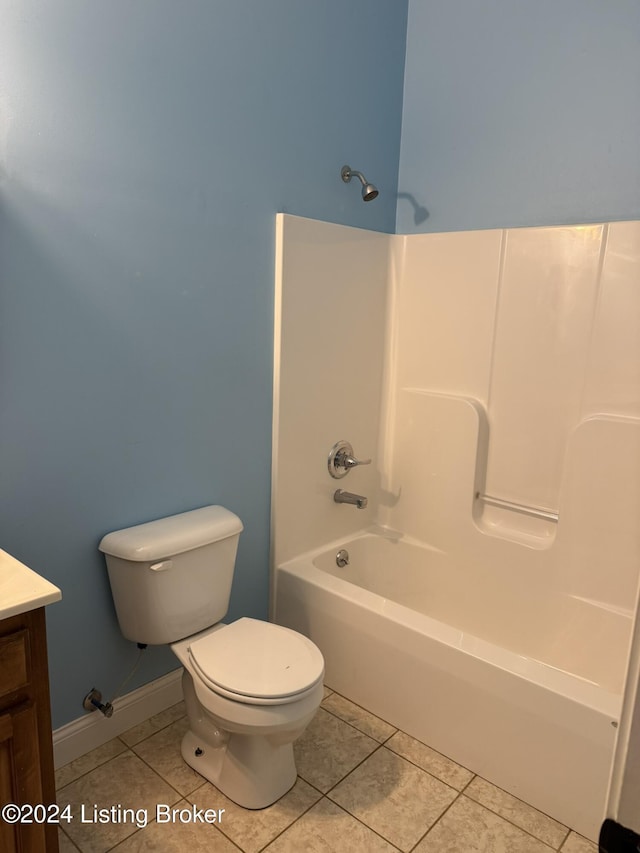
(457, 660)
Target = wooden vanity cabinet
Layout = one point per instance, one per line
(26, 751)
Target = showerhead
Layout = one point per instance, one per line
(369, 191)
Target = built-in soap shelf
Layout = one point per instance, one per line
(530, 525)
(440, 473)
(443, 465)
(531, 511)
(503, 520)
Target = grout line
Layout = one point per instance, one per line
(360, 821)
(502, 817)
(126, 838)
(439, 779)
(127, 748)
(387, 739)
(593, 844)
(408, 760)
(430, 772)
(436, 821)
(189, 799)
(509, 821)
(283, 830)
(199, 788)
(347, 723)
(166, 781)
(311, 785)
(381, 746)
(308, 809)
(359, 764)
(230, 840)
(459, 793)
(354, 726)
(154, 732)
(562, 843)
(363, 709)
(95, 767)
(463, 789)
(524, 803)
(69, 839)
(400, 731)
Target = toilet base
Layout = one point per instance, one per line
(245, 750)
(250, 770)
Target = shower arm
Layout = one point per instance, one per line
(369, 191)
(348, 173)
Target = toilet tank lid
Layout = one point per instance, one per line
(170, 536)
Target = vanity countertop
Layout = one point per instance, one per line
(21, 589)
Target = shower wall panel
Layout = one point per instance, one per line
(548, 289)
(541, 328)
(613, 374)
(444, 311)
(331, 290)
(499, 362)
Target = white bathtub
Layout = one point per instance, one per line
(524, 692)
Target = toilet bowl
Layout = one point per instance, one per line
(250, 687)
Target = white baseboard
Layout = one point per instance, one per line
(93, 729)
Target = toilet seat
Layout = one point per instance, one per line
(257, 663)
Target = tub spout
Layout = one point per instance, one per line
(342, 497)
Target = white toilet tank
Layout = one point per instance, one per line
(172, 577)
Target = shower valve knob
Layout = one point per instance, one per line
(341, 460)
(344, 461)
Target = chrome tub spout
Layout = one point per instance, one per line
(342, 497)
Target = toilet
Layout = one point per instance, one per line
(250, 687)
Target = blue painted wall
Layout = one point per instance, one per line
(145, 148)
(520, 113)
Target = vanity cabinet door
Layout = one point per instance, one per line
(26, 755)
(20, 777)
(8, 833)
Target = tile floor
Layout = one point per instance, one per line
(362, 786)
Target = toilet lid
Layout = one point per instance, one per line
(250, 659)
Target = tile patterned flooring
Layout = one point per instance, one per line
(362, 786)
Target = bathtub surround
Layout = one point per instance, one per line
(331, 318)
(534, 730)
(499, 348)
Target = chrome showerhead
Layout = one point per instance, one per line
(369, 191)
